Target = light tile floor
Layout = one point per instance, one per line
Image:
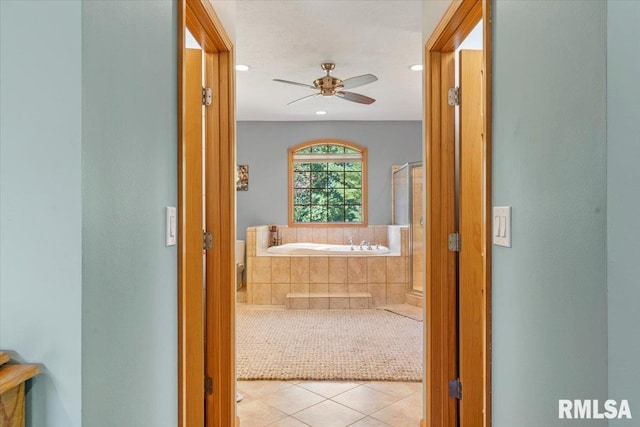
(329, 404)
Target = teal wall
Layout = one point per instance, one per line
(129, 175)
(264, 147)
(623, 202)
(549, 332)
(40, 211)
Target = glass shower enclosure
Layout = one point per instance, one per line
(406, 185)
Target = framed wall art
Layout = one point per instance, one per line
(242, 178)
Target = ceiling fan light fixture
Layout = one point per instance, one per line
(328, 86)
(242, 67)
(321, 113)
(416, 67)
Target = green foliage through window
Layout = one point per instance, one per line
(327, 184)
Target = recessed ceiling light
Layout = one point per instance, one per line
(321, 113)
(416, 67)
(242, 67)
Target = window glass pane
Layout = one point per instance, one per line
(301, 180)
(353, 214)
(319, 197)
(336, 197)
(305, 150)
(319, 149)
(301, 166)
(353, 179)
(335, 149)
(336, 214)
(336, 166)
(353, 197)
(302, 213)
(302, 197)
(353, 166)
(336, 180)
(350, 150)
(318, 167)
(318, 180)
(318, 214)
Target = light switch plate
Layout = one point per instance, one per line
(502, 226)
(172, 226)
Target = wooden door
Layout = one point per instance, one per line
(220, 221)
(191, 217)
(471, 261)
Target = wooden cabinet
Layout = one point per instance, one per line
(12, 381)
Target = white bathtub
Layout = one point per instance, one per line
(296, 249)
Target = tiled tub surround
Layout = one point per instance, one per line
(329, 281)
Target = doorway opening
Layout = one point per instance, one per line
(348, 284)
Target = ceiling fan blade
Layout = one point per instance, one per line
(303, 98)
(358, 81)
(294, 83)
(355, 97)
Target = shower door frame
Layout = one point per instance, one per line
(410, 166)
(413, 232)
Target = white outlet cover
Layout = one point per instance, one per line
(502, 226)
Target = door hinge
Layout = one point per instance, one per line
(207, 96)
(454, 96)
(208, 386)
(455, 389)
(454, 242)
(207, 240)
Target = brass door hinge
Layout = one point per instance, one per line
(207, 240)
(208, 386)
(454, 242)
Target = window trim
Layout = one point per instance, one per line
(347, 144)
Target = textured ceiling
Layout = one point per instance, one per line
(289, 39)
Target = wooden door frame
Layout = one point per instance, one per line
(441, 347)
(202, 22)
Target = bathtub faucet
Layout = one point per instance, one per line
(350, 241)
(364, 242)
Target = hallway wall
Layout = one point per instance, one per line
(549, 163)
(40, 211)
(129, 175)
(623, 202)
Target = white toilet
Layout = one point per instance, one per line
(239, 262)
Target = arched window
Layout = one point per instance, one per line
(328, 183)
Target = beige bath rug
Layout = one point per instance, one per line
(360, 345)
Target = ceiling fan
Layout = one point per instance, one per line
(330, 86)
